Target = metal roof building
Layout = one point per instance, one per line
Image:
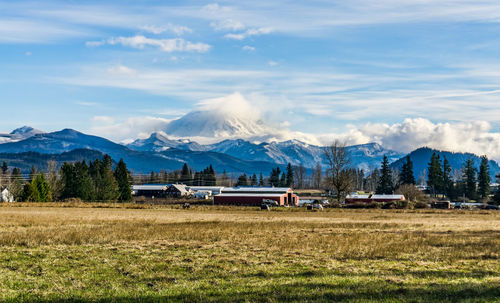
(356, 198)
(283, 196)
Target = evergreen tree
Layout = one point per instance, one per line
(282, 180)
(107, 186)
(68, 180)
(274, 179)
(447, 182)
(38, 190)
(261, 180)
(242, 180)
(5, 168)
(484, 178)
(122, 176)
(186, 176)
(469, 179)
(435, 177)
(406, 176)
(83, 183)
(41, 189)
(385, 185)
(33, 172)
(27, 193)
(289, 175)
(253, 180)
(496, 197)
(211, 177)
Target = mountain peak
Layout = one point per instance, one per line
(26, 130)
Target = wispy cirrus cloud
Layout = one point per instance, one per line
(249, 33)
(178, 30)
(165, 45)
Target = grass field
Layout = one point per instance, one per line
(70, 254)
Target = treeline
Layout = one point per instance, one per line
(95, 181)
(470, 184)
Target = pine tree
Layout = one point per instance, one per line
(83, 183)
(282, 180)
(211, 176)
(385, 185)
(38, 190)
(447, 182)
(289, 175)
(186, 176)
(469, 179)
(435, 177)
(484, 178)
(274, 179)
(406, 176)
(107, 186)
(41, 189)
(242, 180)
(33, 172)
(122, 176)
(5, 168)
(261, 180)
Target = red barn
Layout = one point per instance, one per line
(255, 196)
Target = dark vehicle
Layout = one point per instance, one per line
(491, 207)
(441, 205)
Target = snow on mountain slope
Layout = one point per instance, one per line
(19, 134)
(160, 142)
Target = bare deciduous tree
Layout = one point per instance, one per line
(338, 174)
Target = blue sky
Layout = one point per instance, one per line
(353, 69)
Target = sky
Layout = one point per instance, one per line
(402, 73)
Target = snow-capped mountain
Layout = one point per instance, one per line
(159, 142)
(19, 134)
(365, 156)
(217, 125)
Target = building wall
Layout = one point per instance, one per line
(245, 200)
(252, 200)
(348, 201)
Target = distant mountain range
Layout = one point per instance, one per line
(158, 152)
(365, 156)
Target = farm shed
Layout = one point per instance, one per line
(6, 196)
(373, 198)
(178, 190)
(214, 190)
(154, 190)
(256, 196)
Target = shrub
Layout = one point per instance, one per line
(420, 205)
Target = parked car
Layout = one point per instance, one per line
(491, 207)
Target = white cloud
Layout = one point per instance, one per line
(249, 33)
(227, 25)
(248, 48)
(272, 63)
(232, 105)
(475, 137)
(178, 30)
(130, 128)
(121, 70)
(166, 45)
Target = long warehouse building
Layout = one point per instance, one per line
(254, 196)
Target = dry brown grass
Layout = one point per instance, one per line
(233, 243)
(336, 233)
